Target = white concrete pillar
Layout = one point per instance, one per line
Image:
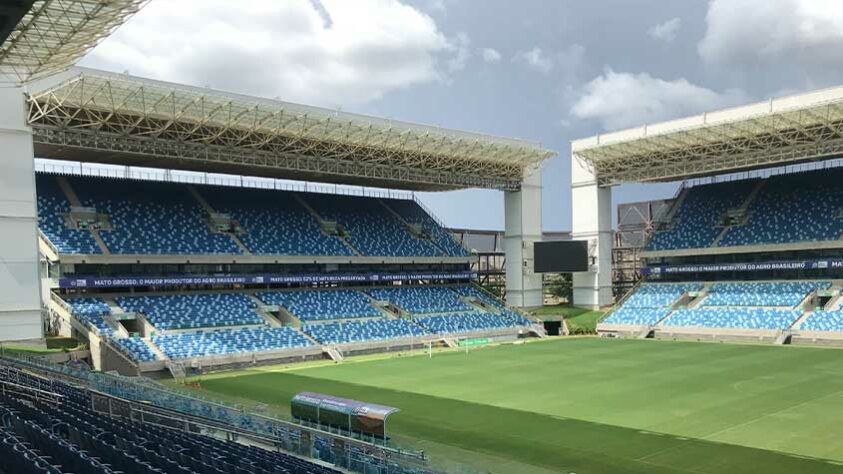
(592, 221)
(523, 227)
(20, 308)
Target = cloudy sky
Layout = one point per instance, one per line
(546, 70)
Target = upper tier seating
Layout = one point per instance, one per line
(194, 311)
(149, 217)
(733, 318)
(160, 218)
(371, 228)
(68, 437)
(696, 223)
(91, 312)
(52, 204)
(229, 341)
(322, 305)
(659, 295)
(463, 322)
(274, 222)
(792, 208)
(411, 212)
(787, 294)
(422, 299)
(136, 349)
(361, 331)
(823, 321)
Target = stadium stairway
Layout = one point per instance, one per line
(741, 210)
(71, 196)
(333, 352)
(303, 203)
(210, 210)
(410, 229)
(262, 311)
(155, 349)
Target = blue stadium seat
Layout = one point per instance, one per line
(274, 222)
(696, 223)
(823, 321)
(229, 341)
(194, 310)
(787, 294)
(322, 305)
(457, 323)
(361, 331)
(52, 207)
(733, 318)
(150, 217)
(91, 311)
(421, 299)
(792, 208)
(136, 348)
(371, 228)
(411, 212)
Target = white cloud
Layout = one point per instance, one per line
(537, 59)
(767, 31)
(621, 100)
(325, 52)
(490, 55)
(665, 31)
(461, 47)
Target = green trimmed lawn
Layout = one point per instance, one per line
(590, 405)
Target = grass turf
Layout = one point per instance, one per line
(597, 406)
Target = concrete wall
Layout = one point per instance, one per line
(20, 292)
(523, 214)
(592, 221)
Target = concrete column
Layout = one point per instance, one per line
(523, 214)
(592, 221)
(20, 290)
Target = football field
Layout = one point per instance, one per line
(593, 405)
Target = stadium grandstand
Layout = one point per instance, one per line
(171, 238)
(750, 247)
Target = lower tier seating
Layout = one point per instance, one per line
(194, 311)
(779, 293)
(91, 311)
(422, 299)
(37, 436)
(636, 316)
(136, 349)
(229, 341)
(823, 321)
(659, 295)
(733, 318)
(322, 305)
(463, 322)
(361, 331)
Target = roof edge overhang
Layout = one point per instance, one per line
(775, 132)
(117, 115)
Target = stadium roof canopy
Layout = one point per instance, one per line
(52, 35)
(96, 116)
(776, 132)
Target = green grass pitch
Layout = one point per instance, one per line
(594, 405)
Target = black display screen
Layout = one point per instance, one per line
(560, 256)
